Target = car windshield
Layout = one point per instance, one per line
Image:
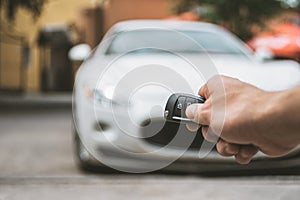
(152, 41)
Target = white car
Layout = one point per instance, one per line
(122, 88)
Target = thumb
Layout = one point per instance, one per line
(196, 114)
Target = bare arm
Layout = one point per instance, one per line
(280, 123)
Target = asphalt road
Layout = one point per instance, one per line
(36, 162)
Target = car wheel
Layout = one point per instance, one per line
(84, 160)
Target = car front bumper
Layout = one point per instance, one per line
(133, 152)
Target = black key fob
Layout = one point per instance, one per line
(176, 107)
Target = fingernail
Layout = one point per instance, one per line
(190, 111)
(244, 154)
(230, 151)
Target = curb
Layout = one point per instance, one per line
(36, 101)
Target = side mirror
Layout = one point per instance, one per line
(263, 54)
(79, 52)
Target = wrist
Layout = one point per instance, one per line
(278, 121)
(268, 117)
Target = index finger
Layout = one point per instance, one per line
(204, 92)
(213, 84)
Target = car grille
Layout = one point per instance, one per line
(161, 133)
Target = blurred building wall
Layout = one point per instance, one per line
(62, 11)
(118, 10)
(91, 25)
(10, 76)
(58, 12)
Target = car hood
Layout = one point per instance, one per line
(146, 81)
(268, 75)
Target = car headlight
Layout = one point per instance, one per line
(103, 96)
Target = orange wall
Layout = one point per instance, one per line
(118, 10)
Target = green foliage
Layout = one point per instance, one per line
(238, 15)
(11, 7)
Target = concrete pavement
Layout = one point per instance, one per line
(148, 187)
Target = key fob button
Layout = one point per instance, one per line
(179, 106)
(190, 101)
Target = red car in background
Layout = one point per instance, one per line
(283, 41)
(186, 16)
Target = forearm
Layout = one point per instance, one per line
(279, 124)
(289, 107)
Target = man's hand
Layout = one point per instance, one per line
(242, 119)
